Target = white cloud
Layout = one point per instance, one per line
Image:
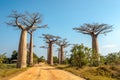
(110, 46)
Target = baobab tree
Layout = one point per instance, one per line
(45, 47)
(94, 30)
(62, 44)
(30, 58)
(59, 54)
(30, 63)
(24, 22)
(50, 39)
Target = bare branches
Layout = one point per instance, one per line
(50, 38)
(43, 47)
(94, 29)
(32, 20)
(31, 31)
(16, 19)
(63, 43)
(25, 21)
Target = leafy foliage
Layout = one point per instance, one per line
(2, 58)
(113, 58)
(80, 55)
(55, 59)
(41, 59)
(14, 55)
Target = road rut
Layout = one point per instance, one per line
(45, 72)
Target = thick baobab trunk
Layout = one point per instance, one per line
(95, 47)
(31, 51)
(22, 50)
(59, 56)
(50, 54)
(95, 44)
(62, 54)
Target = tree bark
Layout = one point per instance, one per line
(59, 56)
(62, 54)
(50, 54)
(95, 43)
(22, 50)
(31, 50)
(95, 46)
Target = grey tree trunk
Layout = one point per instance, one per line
(95, 46)
(59, 57)
(62, 54)
(22, 50)
(50, 54)
(95, 43)
(31, 51)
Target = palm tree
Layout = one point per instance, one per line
(94, 30)
(50, 39)
(24, 22)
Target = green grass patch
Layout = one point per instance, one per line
(94, 73)
(9, 70)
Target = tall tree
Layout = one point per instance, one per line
(24, 22)
(62, 43)
(94, 30)
(50, 39)
(59, 55)
(30, 63)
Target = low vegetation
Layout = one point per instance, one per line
(94, 73)
(83, 62)
(9, 70)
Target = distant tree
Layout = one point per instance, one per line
(50, 39)
(41, 59)
(63, 44)
(14, 55)
(113, 58)
(35, 58)
(94, 30)
(55, 59)
(45, 47)
(24, 22)
(2, 58)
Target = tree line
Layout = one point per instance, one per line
(28, 23)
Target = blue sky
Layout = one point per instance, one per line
(61, 16)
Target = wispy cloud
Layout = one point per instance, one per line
(110, 46)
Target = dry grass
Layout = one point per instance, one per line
(9, 70)
(95, 73)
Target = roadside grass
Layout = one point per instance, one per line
(94, 73)
(9, 70)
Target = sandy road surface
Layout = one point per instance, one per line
(44, 72)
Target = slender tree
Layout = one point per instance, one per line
(24, 22)
(59, 55)
(62, 43)
(94, 30)
(30, 63)
(50, 39)
(45, 47)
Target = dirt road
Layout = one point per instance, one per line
(45, 72)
